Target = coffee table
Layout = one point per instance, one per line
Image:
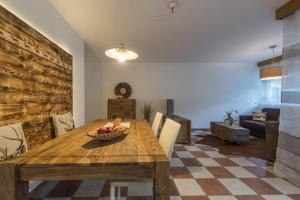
(234, 133)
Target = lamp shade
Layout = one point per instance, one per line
(270, 73)
(121, 53)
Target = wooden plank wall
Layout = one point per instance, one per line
(35, 79)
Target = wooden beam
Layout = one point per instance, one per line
(287, 9)
(269, 61)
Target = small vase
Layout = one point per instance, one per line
(228, 122)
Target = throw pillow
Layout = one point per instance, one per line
(12, 141)
(63, 123)
(259, 116)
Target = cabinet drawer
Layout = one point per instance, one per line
(127, 102)
(114, 107)
(125, 109)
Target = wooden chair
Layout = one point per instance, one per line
(12, 144)
(167, 141)
(12, 141)
(157, 122)
(63, 123)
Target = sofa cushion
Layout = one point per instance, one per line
(259, 116)
(255, 125)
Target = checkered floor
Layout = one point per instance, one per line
(199, 172)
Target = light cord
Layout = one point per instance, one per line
(142, 11)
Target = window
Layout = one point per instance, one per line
(271, 93)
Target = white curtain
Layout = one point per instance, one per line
(288, 151)
(270, 94)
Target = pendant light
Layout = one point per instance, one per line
(272, 72)
(121, 53)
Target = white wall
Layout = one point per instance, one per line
(43, 17)
(93, 87)
(202, 92)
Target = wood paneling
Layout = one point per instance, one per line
(287, 9)
(35, 79)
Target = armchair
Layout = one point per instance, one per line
(268, 130)
(271, 138)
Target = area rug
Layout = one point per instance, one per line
(254, 148)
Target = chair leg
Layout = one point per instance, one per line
(112, 192)
(119, 193)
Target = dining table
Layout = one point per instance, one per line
(76, 156)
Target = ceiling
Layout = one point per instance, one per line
(198, 31)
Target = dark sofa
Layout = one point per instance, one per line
(258, 128)
(268, 130)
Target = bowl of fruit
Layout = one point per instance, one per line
(108, 132)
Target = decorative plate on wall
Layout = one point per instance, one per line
(123, 90)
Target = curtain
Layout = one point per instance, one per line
(270, 94)
(288, 151)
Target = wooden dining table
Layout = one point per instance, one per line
(76, 156)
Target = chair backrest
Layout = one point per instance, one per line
(12, 141)
(156, 124)
(63, 123)
(168, 136)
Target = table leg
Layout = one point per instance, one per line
(10, 187)
(162, 181)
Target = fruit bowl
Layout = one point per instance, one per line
(108, 133)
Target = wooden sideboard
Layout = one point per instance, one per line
(125, 109)
(184, 136)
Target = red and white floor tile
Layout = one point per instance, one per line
(198, 172)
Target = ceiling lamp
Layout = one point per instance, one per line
(272, 72)
(121, 53)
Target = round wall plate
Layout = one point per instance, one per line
(124, 90)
